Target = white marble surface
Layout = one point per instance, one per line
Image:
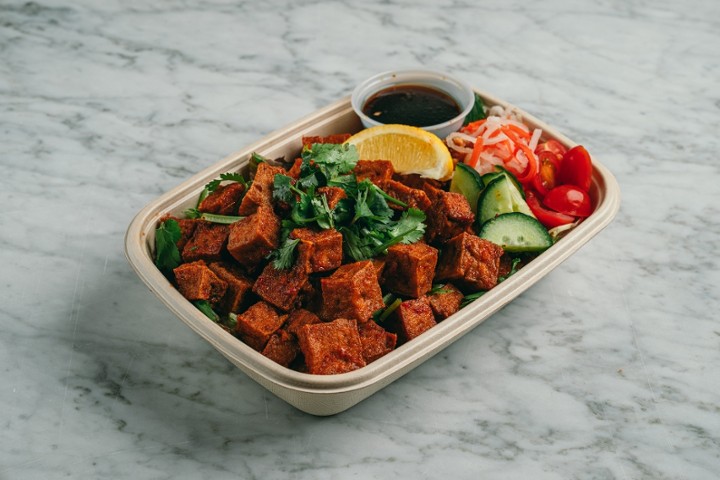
(605, 369)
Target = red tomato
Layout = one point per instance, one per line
(552, 146)
(568, 200)
(576, 168)
(546, 178)
(547, 217)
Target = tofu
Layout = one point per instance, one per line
(470, 262)
(239, 286)
(414, 317)
(195, 281)
(414, 198)
(281, 348)
(409, 269)
(445, 303)
(376, 341)
(257, 324)
(337, 139)
(298, 319)
(260, 192)
(294, 171)
(377, 171)
(319, 251)
(254, 237)
(225, 200)
(281, 288)
(448, 216)
(351, 292)
(207, 243)
(332, 347)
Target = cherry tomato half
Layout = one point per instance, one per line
(546, 178)
(576, 168)
(552, 146)
(548, 218)
(568, 200)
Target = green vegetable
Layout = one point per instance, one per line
(167, 255)
(194, 213)
(500, 196)
(204, 307)
(478, 111)
(467, 299)
(467, 181)
(388, 311)
(365, 220)
(513, 270)
(439, 289)
(284, 257)
(516, 232)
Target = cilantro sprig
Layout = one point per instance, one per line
(167, 255)
(368, 225)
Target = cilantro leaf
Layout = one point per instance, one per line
(478, 111)
(282, 189)
(285, 255)
(167, 255)
(214, 184)
(332, 160)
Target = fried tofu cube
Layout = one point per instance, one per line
(281, 348)
(378, 171)
(336, 139)
(376, 341)
(412, 197)
(413, 180)
(331, 348)
(298, 319)
(414, 317)
(409, 269)
(257, 324)
(319, 251)
(446, 302)
(207, 243)
(379, 264)
(281, 288)
(196, 281)
(332, 195)
(260, 192)
(294, 171)
(449, 216)
(470, 262)
(225, 200)
(352, 291)
(239, 286)
(254, 237)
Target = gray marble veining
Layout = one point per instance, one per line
(605, 369)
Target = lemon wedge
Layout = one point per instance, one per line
(410, 149)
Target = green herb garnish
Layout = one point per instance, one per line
(204, 307)
(167, 255)
(478, 111)
(513, 269)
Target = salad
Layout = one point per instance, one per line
(329, 261)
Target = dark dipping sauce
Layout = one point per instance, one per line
(415, 105)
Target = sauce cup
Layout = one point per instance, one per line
(455, 88)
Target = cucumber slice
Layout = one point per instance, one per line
(516, 233)
(500, 196)
(488, 177)
(467, 181)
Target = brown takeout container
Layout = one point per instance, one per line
(331, 394)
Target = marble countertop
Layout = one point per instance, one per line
(605, 369)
